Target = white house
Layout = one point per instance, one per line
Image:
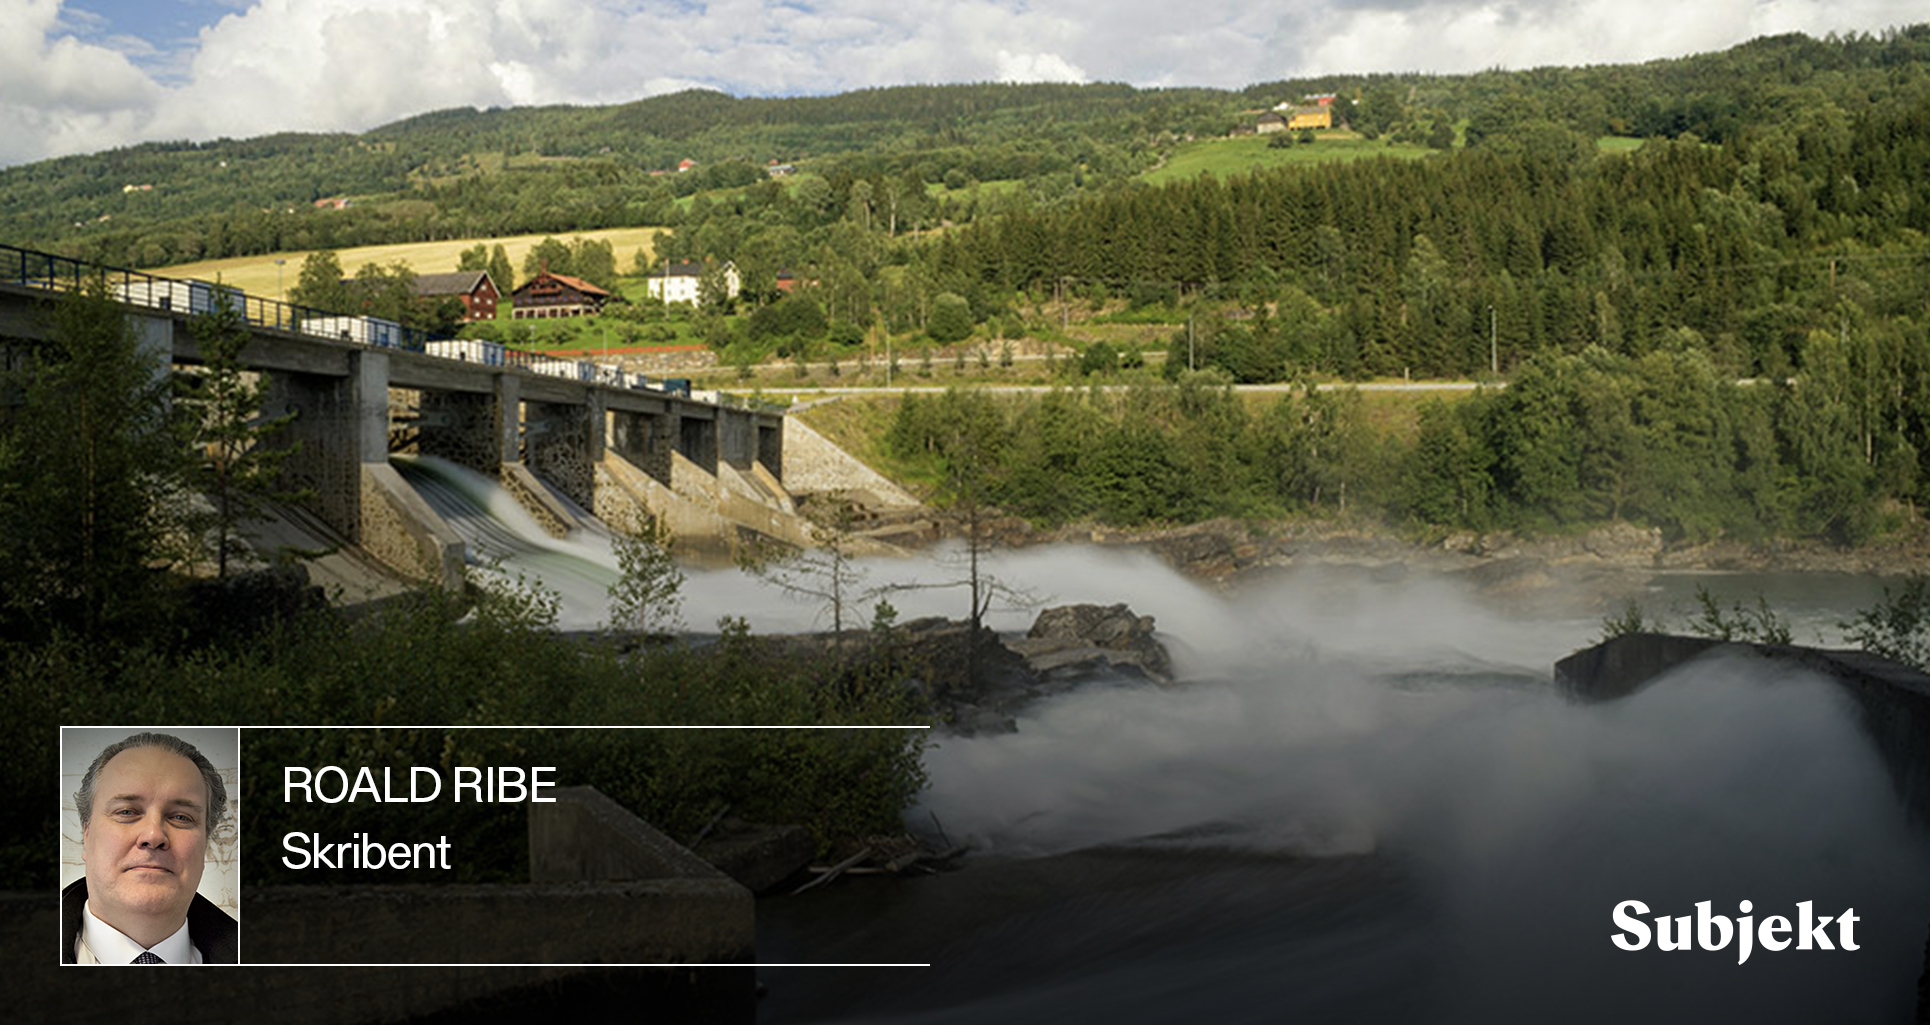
(677, 282)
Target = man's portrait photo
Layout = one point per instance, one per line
(154, 815)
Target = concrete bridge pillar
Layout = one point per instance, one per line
(462, 427)
(697, 439)
(598, 411)
(560, 445)
(770, 445)
(645, 440)
(340, 423)
(737, 437)
(154, 340)
(509, 420)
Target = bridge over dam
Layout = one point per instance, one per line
(616, 445)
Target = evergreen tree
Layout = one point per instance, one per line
(951, 318)
(239, 464)
(96, 474)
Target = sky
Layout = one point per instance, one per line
(79, 76)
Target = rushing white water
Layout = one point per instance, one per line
(504, 541)
(1363, 802)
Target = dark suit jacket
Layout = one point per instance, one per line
(209, 928)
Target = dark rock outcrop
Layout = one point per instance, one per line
(1070, 643)
(1067, 646)
(956, 662)
(975, 682)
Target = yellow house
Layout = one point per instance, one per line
(1310, 117)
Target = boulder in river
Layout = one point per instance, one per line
(1068, 643)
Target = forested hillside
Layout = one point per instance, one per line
(468, 173)
(1372, 269)
(1623, 244)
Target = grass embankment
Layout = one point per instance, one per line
(859, 425)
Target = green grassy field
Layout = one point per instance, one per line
(996, 187)
(258, 275)
(595, 333)
(1223, 157)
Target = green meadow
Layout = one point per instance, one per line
(1224, 157)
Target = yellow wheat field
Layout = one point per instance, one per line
(259, 275)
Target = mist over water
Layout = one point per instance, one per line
(1363, 801)
(1375, 838)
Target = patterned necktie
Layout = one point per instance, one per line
(148, 957)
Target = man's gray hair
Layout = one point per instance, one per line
(217, 791)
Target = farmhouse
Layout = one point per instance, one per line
(1310, 117)
(1311, 112)
(473, 287)
(679, 282)
(556, 295)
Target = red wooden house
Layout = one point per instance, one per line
(473, 287)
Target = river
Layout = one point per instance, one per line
(1363, 802)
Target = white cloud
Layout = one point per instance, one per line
(314, 65)
(352, 64)
(1036, 67)
(1456, 37)
(59, 95)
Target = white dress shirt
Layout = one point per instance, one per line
(100, 943)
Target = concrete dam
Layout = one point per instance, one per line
(568, 438)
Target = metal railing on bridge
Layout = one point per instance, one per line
(191, 296)
(49, 272)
